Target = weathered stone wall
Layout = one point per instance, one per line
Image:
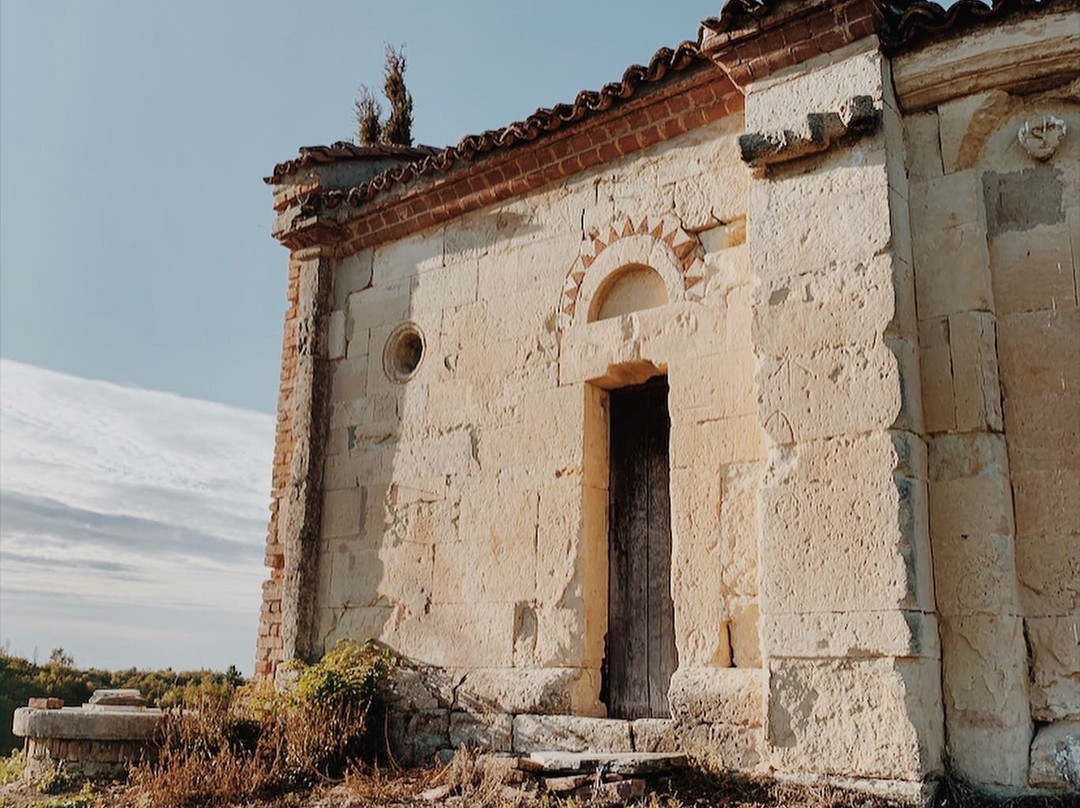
(847, 625)
(464, 510)
(872, 342)
(997, 252)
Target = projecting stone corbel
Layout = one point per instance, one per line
(855, 118)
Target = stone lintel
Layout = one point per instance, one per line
(1021, 55)
(74, 723)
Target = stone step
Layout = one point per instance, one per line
(627, 764)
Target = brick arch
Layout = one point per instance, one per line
(664, 235)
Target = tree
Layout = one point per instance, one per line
(368, 112)
(397, 129)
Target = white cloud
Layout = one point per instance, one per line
(132, 522)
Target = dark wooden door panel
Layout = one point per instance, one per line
(641, 652)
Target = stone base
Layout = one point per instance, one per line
(420, 737)
(915, 793)
(93, 759)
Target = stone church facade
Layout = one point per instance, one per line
(733, 408)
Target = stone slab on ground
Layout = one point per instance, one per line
(624, 763)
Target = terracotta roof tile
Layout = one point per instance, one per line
(345, 150)
(905, 23)
(664, 62)
(901, 24)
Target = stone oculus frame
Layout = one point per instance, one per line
(819, 223)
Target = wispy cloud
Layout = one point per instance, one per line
(131, 522)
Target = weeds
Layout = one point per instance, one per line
(260, 743)
(84, 799)
(11, 767)
(56, 781)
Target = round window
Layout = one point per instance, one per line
(404, 352)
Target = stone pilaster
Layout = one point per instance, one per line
(300, 521)
(847, 608)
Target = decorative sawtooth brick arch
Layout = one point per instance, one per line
(678, 250)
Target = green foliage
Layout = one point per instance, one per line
(56, 781)
(21, 680)
(397, 128)
(350, 675)
(11, 767)
(368, 116)
(84, 799)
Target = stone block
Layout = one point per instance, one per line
(379, 305)
(1048, 570)
(922, 147)
(976, 388)
(491, 731)
(971, 507)
(348, 379)
(743, 633)
(416, 738)
(724, 747)
(849, 199)
(1032, 270)
(718, 696)
(846, 303)
(335, 338)
(835, 392)
(719, 385)
(947, 201)
(367, 572)
(357, 339)
(966, 123)
(986, 706)
(851, 635)
(952, 270)
(445, 288)
(739, 322)
(76, 723)
(435, 637)
(495, 560)
(779, 104)
(818, 536)
(1043, 432)
(976, 454)
(397, 261)
(1040, 352)
(351, 275)
(342, 512)
(1046, 503)
(951, 257)
(935, 362)
(567, 733)
(975, 573)
(1055, 667)
(878, 718)
(1055, 756)
(539, 691)
(700, 442)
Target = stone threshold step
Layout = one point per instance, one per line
(627, 764)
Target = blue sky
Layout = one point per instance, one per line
(135, 249)
(134, 226)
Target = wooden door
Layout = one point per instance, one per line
(641, 653)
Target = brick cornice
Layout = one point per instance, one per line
(752, 40)
(700, 96)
